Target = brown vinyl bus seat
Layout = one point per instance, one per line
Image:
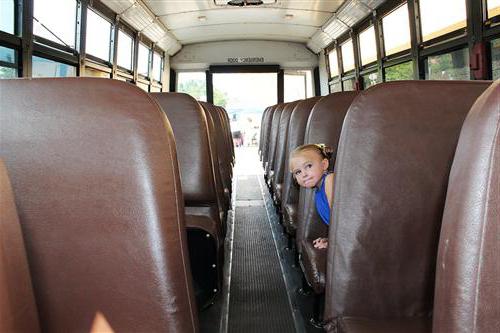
(262, 131)
(222, 178)
(266, 135)
(394, 158)
(225, 142)
(226, 123)
(467, 296)
(221, 121)
(324, 126)
(276, 181)
(95, 178)
(273, 138)
(203, 213)
(18, 311)
(290, 190)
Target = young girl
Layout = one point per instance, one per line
(309, 165)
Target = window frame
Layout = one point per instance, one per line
(150, 60)
(120, 27)
(56, 59)
(327, 57)
(55, 45)
(359, 31)
(383, 14)
(446, 51)
(111, 51)
(341, 65)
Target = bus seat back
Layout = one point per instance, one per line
(394, 157)
(94, 170)
(467, 296)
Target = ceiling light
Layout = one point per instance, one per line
(288, 16)
(253, 2)
(202, 18)
(245, 2)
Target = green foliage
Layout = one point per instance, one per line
(449, 66)
(220, 98)
(194, 88)
(402, 71)
(7, 73)
(197, 89)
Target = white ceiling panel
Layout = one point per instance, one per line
(138, 17)
(314, 5)
(244, 15)
(191, 21)
(372, 3)
(165, 7)
(334, 28)
(258, 37)
(119, 6)
(154, 31)
(318, 41)
(353, 12)
(244, 31)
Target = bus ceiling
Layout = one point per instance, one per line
(171, 24)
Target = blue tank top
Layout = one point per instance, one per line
(321, 200)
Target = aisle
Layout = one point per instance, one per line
(258, 299)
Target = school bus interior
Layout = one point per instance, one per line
(145, 180)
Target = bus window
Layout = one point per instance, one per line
(93, 72)
(143, 61)
(43, 67)
(143, 85)
(8, 56)
(449, 66)
(441, 17)
(348, 84)
(402, 71)
(367, 45)
(493, 8)
(347, 56)
(298, 85)
(370, 79)
(335, 86)
(157, 66)
(495, 58)
(396, 31)
(155, 89)
(125, 50)
(55, 20)
(334, 64)
(192, 83)
(98, 40)
(7, 16)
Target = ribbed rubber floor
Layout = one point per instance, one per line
(258, 299)
(248, 188)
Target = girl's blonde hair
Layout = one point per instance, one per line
(323, 150)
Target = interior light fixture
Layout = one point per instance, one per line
(254, 2)
(236, 3)
(288, 16)
(242, 3)
(202, 18)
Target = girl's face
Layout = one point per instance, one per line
(308, 168)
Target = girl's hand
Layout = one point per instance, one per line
(320, 243)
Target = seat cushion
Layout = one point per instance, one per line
(206, 224)
(313, 262)
(277, 193)
(290, 218)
